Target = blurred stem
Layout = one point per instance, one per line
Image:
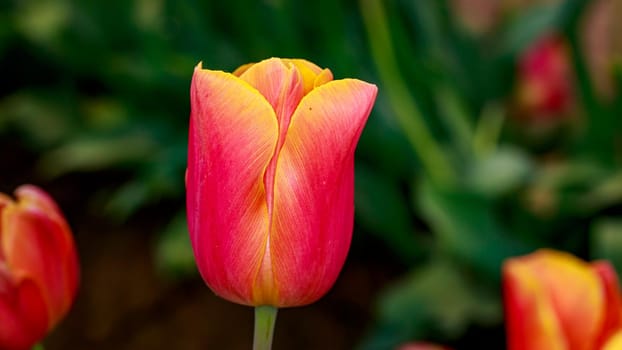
(617, 28)
(617, 76)
(456, 118)
(488, 130)
(265, 318)
(599, 137)
(38, 347)
(586, 88)
(406, 110)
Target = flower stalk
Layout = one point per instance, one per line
(265, 318)
(407, 112)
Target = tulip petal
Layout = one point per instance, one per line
(559, 283)
(37, 244)
(282, 87)
(33, 199)
(4, 201)
(314, 184)
(279, 84)
(531, 322)
(612, 307)
(304, 65)
(575, 292)
(241, 69)
(615, 342)
(23, 313)
(233, 134)
(309, 71)
(324, 77)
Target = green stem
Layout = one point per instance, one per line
(38, 347)
(405, 108)
(488, 130)
(265, 318)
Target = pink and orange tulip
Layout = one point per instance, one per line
(270, 179)
(555, 301)
(38, 268)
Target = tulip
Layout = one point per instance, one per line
(421, 346)
(554, 301)
(270, 178)
(38, 268)
(544, 80)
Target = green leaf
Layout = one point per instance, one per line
(488, 129)
(122, 202)
(617, 74)
(173, 251)
(606, 240)
(436, 298)
(43, 21)
(500, 172)
(529, 25)
(617, 78)
(584, 185)
(382, 210)
(575, 173)
(606, 192)
(42, 117)
(466, 227)
(457, 119)
(89, 154)
(381, 137)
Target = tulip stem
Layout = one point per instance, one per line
(265, 318)
(37, 347)
(406, 111)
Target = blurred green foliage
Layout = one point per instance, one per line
(446, 178)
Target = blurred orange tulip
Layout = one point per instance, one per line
(38, 268)
(554, 301)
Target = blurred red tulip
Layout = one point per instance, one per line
(421, 346)
(38, 268)
(554, 301)
(544, 84)
(270, 179)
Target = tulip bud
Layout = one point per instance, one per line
(38, 268)
(554, 300)
(544, 84)
(270, 179)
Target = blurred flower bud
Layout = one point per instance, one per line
(38, 268)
